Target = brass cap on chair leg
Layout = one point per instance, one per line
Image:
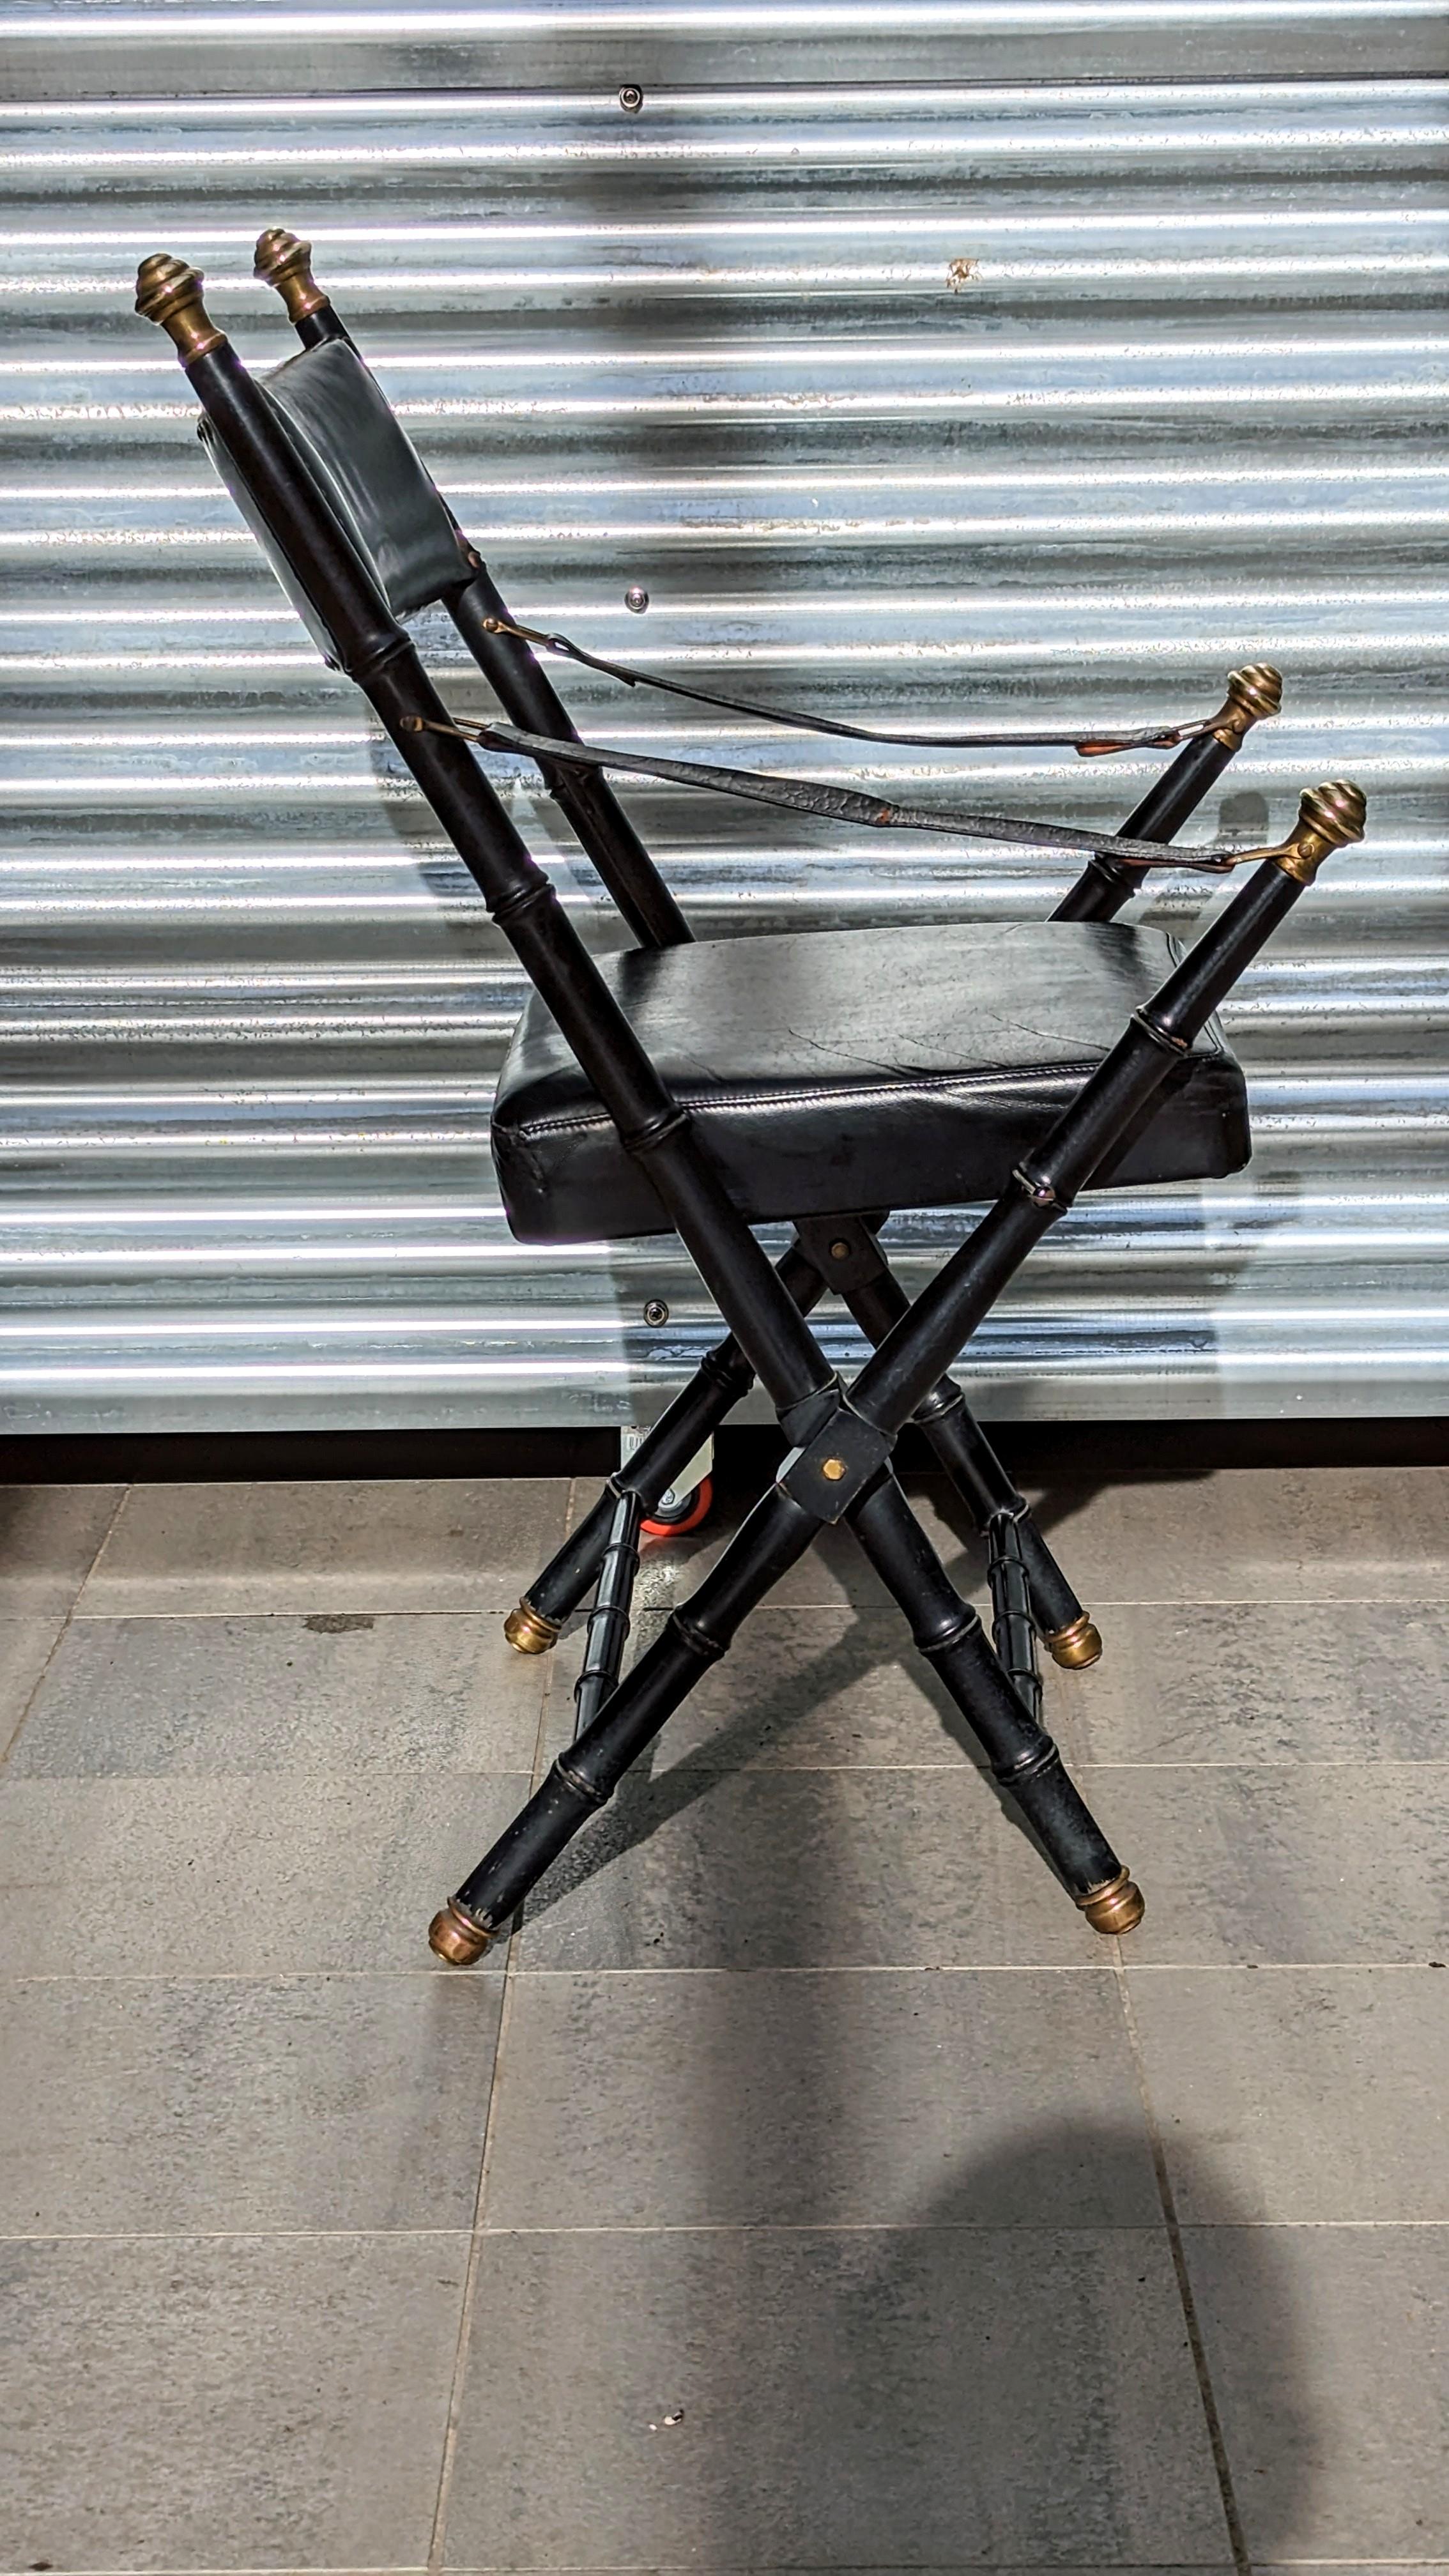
(1116, 1906)
(286, 263)
(168, 292)
(528, 1632)
(1254, 692)
(1329, 818)
(454, 1936)
(1077, 1645)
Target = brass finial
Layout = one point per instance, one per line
(168, 292)
(1253, 693)
(454, 1936)
(1328, 819)
(1116, 1906)
(285, 262)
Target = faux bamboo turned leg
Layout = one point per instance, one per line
(982, 1481)
(1022, 1755)
(889, 1388)
(723, 1377)
(777, 1533)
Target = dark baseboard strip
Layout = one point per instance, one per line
(1036, 1452)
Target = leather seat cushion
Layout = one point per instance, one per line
(835, 1072)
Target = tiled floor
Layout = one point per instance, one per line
(806, 2187)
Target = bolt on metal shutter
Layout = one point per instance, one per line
(934, 358)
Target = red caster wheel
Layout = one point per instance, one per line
(683, 1515)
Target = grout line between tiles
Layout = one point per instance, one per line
(1222, 2467)
(965, 1768)
(262, 1976)
(437, 2537)
(778, 2567)
(18, 1729)
(735, 2227)
(300, 1608)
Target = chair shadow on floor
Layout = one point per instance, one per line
(1008, 2378)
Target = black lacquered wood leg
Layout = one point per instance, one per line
(722, 1379)
(1023, 1757)
(878, 1304)
(839, 1441)
(777, 1533)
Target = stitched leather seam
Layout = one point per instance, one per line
(578, 1123)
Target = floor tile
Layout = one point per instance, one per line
(49, 1535)
(335, 1691)
(465, 1545)
(802, 1869)
(25, 1648)
(1311, 1865)
(1340, 2449)
(270, 1876)
(921, 2396)
(1325, 2093)
(1309, 1534)
(1265, 1682)
(221, 2103)
(225, 2402)
(836, 2099)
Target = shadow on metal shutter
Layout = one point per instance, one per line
(897, 370)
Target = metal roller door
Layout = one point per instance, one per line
(947, 358)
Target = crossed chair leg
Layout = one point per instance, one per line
(846, 1247)
(840, 1465)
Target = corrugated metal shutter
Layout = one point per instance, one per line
(936, 355)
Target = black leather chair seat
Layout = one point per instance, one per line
(836, 1072)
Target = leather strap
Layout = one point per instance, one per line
(1089, 746)
(847, 804)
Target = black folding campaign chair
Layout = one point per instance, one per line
(824, 1077)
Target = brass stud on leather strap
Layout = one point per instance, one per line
(285, 262)
(168, 293)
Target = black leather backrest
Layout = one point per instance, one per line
(342, 423)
